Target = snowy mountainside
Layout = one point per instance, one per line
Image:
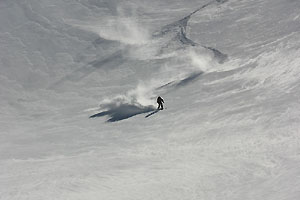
(79, 81)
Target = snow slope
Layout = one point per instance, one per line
(78, 85)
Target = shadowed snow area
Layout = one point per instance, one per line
(123, 111)
(228, 72)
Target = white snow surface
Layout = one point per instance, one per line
(79, 81)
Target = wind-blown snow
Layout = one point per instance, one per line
(78, 86)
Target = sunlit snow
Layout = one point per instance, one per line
(79, 81)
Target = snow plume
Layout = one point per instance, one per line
(136, 101)
(142, 95)
(123, 29)
(200, 60)
(122, 26)
(188, 61)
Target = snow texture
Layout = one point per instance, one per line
(79, 81)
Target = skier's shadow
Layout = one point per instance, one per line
(154, 112)
(122, 111)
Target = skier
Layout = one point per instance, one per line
(160, 102)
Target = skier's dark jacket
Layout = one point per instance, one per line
(159, 100)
